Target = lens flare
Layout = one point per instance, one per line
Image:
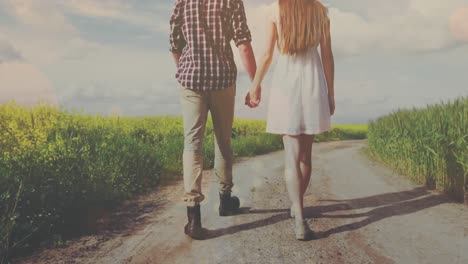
(25, 84)
(459, 24)
(115, 110)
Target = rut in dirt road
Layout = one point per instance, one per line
(360, 212)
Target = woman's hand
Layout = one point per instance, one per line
(254, 97)
(331, 101)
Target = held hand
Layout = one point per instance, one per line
(248, 101)
(331, 101)
(253, 98)
(256, 95)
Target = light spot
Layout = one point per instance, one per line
(115, 110)
(459, 24)
(25, 84)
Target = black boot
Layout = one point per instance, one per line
(228, 204)
(193, 228)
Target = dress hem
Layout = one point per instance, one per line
(306, 132)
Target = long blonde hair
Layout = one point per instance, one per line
(303, 25)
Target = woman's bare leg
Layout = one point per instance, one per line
(306, 142)
(292, 174)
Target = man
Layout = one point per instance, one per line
(201, 33)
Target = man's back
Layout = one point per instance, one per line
(201, 31)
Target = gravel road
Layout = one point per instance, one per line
(360, 211)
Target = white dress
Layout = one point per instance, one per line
(298, 93)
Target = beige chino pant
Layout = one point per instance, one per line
(195, 108)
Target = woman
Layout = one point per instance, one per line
(302, 92)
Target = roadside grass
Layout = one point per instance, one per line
(428, 145)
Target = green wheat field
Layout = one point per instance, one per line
(428, 145)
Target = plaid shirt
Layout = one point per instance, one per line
(201, 30)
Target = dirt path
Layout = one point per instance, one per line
(361, 212)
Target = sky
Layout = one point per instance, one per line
(112, 56)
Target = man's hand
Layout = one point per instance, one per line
(247, 100)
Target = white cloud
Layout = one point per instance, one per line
(408, 32)
(46, 38)
(8, 53)
(43, 16)
(415, 26)
(45, 34)
(422, 26)
(115, 73)
(42, 32)
(114, 9)
(51, 15)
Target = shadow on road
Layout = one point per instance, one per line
(385, 205)
(377, 214)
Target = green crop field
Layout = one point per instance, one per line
(354, 127)
(344, 132)
(429, 145)
(56, 165)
